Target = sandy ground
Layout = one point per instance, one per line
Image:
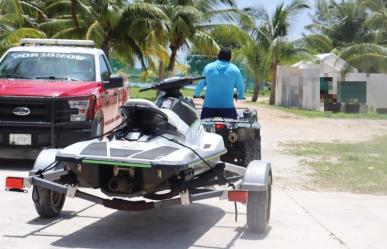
(279, 127)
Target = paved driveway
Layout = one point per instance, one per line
(300, 219)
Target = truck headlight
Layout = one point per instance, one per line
(82, 106)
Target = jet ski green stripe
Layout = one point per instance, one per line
(137, 165)
(199, 161)
(192, 125)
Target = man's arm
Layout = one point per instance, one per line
(201, 85)
(240, 86)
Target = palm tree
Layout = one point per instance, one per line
(271, 45)
(354, 30)
(377, 19)
(115, 25)
(336, 24)
(18, 19)
(254, 55)
(190, 23)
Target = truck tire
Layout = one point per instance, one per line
(97, 127)
(47, 203)
(252, 150)
(258, 210)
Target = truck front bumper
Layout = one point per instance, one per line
(62, 135)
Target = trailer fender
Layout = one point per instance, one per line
(45, 158)
(257, 175)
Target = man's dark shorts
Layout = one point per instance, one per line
(219, 112)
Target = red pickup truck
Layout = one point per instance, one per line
(54, 93)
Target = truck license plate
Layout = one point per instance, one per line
(20, 139)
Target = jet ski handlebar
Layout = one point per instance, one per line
(173, 83)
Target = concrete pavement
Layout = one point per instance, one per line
(300, 219)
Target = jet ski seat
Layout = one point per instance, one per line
(144, 115)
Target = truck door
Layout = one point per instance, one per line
(110, 96)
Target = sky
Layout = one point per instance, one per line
(299, 22)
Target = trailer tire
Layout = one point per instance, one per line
(252, 150)
(258, 210)
(47, 203)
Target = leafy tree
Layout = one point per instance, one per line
(129, 30)
(190, 23)
(18, 20)
(269, 45)
(354, 30)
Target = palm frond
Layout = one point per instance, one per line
(204, 43)
(12, 38)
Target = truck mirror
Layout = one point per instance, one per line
(115, 81)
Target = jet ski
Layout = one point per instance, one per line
(157, 143)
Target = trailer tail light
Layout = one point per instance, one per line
(238, 196)
(14, 184)
(219, 126)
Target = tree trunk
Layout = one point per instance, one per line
(74, 17)
(172, 60)
(273, 70)
(105, 46)
(161, 70)
(256, 90)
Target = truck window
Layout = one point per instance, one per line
(48, 65)
(104, 69)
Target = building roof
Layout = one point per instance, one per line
(328, 60)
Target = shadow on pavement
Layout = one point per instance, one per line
(17, 165)
(172, 227)
(255, 236)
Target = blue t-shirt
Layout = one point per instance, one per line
(221, 79)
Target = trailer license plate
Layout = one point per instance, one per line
(20, 139)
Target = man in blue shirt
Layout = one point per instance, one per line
(221, 79)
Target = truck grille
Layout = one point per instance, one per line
(40, 109)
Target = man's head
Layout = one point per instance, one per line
(224, 54)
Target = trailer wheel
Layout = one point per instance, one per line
(258, 210)
(47, 203)
(252, 150)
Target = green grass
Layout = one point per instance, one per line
(151, 95)
(360, 167)
(321, 114)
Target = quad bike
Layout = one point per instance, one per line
(160, 152)
(241, 136)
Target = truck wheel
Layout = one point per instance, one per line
(47, 203)
(97, 127)
(258, 210)
(252, 150)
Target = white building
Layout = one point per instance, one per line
(310, 84)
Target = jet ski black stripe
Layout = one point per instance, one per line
(122, 152)
(155, 153)
(95, 149)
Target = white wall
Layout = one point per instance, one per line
(377, 91)
(299, 84)
(311, 87)
(309, 78)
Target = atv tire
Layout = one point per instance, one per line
(258, 210)
(47, 203)
(251, 150)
